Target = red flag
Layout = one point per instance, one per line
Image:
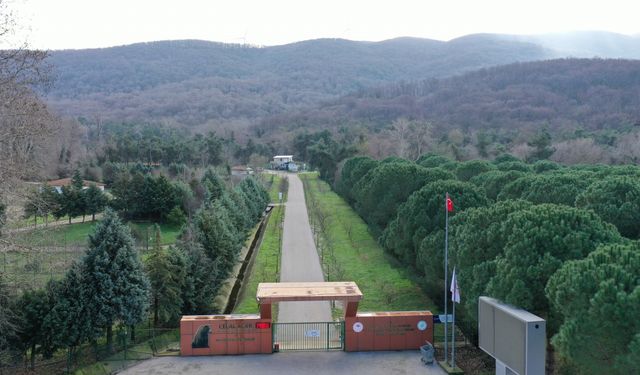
(449, 204)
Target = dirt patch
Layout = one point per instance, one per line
(471, 359)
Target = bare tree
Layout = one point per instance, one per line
(579, 151)
(26, 126)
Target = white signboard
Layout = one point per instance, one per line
(312, 333)
(280, 196)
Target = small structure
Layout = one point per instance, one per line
(253, 334)
(281, 161)
(514, 337)
(58, 184)
(346, 291)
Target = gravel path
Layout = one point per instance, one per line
(300, 260)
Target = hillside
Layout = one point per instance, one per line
(563, 94)
(196, 82)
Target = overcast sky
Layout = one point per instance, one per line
(58, 24)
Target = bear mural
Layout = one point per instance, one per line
(201, 338)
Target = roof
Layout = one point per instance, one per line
(283, 156)
(67, 182)
(308, 291)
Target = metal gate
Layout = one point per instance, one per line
(308, 336)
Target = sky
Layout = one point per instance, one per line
(63, 24)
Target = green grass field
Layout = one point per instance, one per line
(77, 234)
(265, 265)
(275, 188)
(351, 253)
(46, 253)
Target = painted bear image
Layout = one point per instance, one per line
(201, 338)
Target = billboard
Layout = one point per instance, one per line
(514, 337)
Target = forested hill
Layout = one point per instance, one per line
(564, 95)
(195, 81)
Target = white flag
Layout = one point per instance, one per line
(455, 291)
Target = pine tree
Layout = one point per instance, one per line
(117, 287)
(76, 181)
(33, 307)
(70, 318)
(166, 270)
(95, 200)
(200, 282)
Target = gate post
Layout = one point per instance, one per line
(265, 311)
(350, 309)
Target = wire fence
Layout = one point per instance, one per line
(99, 358)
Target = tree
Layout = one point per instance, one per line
(538, 241)
(557, 187)
(70, 203)
(541, 143)
(493, 182)
(213, 184)
(7, 316)
(166, 270)
(95, 201)
(70, 318)
(33, 307)
(475, 242)
(423, 213)
(432, 160)
(201, 282)
(352, 171)
(616, 200)
(217, 235)
(26, 126)
(379, 193)
(468, 169)
(160, 197)
(601, 288)
(117, 287)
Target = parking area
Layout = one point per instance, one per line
(316, 363)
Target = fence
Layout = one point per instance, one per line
(99, 358)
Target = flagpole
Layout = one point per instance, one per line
(453, 321)
(446, 273)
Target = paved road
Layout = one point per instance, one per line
(300, 260)
(317, 363)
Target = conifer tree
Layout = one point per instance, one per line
(95, 201)
(166, 271)
(70, 318)
(200, 281)
(117, 287)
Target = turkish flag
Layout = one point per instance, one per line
(449, 205)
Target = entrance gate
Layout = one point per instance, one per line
(320, 336)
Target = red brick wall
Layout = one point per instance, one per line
(226, 335)
(402, 330)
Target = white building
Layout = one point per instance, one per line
(281, 161)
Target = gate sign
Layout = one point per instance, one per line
(422, 325)
(357, 327)
(442, 318)
(312, 333)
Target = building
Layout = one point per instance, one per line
(281, 161)
(58, 184)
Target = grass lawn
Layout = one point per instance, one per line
(276, 186)
(265, 264)
(47, 253)
(77, 234)
(351, 253)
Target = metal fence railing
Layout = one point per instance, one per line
(320, 336)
